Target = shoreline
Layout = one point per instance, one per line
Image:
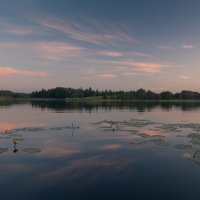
(4, 98)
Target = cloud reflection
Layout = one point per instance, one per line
(12, 125)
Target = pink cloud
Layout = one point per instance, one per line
(57, 50)
(108, 75)
(12, 29)
(19, 31)
(149, 67)
(129, 73)
(187, 46)
(57, 47)
(45, 50)
(111, 53)
(6, 71)
(140, 54)
(96, 38)
(102, 34)
(184, 77)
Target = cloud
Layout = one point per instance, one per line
(7, 71)
(184, 77)
(187, 46)
(140, 54)
(125, 54)
(111, 53)
(108, 75)
(19, 31)
(57, 50)
(121, 68)
(86, 29)
(57, 47)
(129, 73)
(12, 29)
(47, 50)
(88, 36)
(149, 67)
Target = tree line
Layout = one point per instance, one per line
(140, 94)
(7, 93)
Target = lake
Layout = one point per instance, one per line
(107, 150)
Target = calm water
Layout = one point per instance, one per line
(116, 150)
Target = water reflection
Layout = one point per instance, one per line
(161, 134)
(54, 151)
(7, 126)
(86, 105)
(13, 136)
(109, 105)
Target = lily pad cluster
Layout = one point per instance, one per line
(182, 136)
(17, 135)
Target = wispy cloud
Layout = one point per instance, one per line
(6, 71)
(108, 75)
(87, 30)
(111, 53)
(57, 50)
(129, 73)
(121, 68)
(184, 77)
(46, 50)
(148, 67)
(123, 54)
(139, 54)
(17, 30)
(187, 46)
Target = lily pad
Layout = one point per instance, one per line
(32, 150)
(138, 142)
(160, 142)
(57, 128)
(2, 150)
(195, 157)
(170, 127)
(144, 135)
(183, 146)
(194, 136)
(31, 129)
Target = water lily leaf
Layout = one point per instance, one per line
(32, 150)
(183, 146)
(2, 150)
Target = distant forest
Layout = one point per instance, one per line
(140, 94)
(7, 93)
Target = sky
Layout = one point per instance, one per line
(105, 44)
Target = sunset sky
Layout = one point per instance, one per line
(105, 44)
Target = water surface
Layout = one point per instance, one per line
(110, 150)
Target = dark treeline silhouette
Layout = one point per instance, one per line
(7, 93)
(140, 94)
